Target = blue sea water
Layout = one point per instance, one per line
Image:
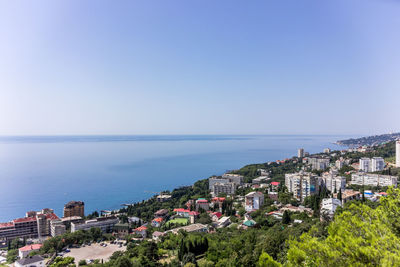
(105, 171)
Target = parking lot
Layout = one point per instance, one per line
(94, 252)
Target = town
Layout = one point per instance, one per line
(307, 189)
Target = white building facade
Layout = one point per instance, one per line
(373, 179)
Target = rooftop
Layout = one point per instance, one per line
(141, 228)
(31, 247)
(30, 260)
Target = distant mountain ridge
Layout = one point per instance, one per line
(369, 140)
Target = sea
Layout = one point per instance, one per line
(105, 172)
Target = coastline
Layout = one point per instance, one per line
(128, 174)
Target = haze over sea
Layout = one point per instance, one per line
(105, 171)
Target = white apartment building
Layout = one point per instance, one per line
(398, 153)
(318, 163)
(339, 164)
(57, 227)
(373, 179)
(234, 178)
(214, 180)
(302, 184)
(329, 206)
(331, 181)
(254, 200)
(300, 153)
(327, 150)
(377, 164)
(365, 164)
(227, 188)
(106, 224)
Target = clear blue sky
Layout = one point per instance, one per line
(199, 67)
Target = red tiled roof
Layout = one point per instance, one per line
(218, 214)
(275, 183)
(218, 199)
(52, 216)
(31, 247)
(140, 229)
(158, 219)
(194, 213)
(7, 224)
(26, 219)
(181, 210)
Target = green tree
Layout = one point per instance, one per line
(63, 262)
(359, 236)
(266, 260)
(286, 217)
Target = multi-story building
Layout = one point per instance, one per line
(333, 183)
(373, 179)
(300, 153)
(329, 206)
(106, 224)
(35, 224)
(214, 180)
(227, 188)
(302, 184)
(234, 178)
(57, 227)
(398, 153)
(327, 150)
(377, 164)
(254, 200)
(74, 208)
(339, 163)
(365, 164)
(202, 203)
(319, 163)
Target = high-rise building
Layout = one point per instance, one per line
(227, 188)
(302, 184)
(373, 179)
(300, 153)
(377, 164)
(74, 208)
(365, 164)
(319, 163)
(35, 224)
(234, 178)
(398, 153)
(333, 183)
(339, 163)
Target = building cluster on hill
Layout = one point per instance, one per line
(231, 201)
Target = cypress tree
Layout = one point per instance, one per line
(286, 217)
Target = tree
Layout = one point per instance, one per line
(266, 260)
(359, 236)
(189, 258)
(82, 263)
(123, 262)
(63, 262)
(286, 217)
